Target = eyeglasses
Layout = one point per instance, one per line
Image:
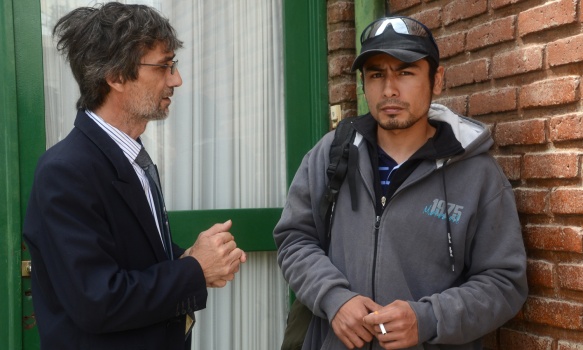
(401, 25)
(171, 66)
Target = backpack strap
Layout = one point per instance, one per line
(337, 169)
(351, 176)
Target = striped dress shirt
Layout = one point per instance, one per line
(130, 149)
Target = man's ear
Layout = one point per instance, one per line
(438, 84)
(115, 82)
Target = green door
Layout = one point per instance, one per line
(22, 141)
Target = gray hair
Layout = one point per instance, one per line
(109, 41)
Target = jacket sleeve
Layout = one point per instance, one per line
(299, 236)
(80, 265)
(494, 287)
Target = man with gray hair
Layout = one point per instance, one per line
(106, 274)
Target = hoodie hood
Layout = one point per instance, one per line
(474, 136)
(464, 138)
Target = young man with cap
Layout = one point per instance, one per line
(424, 245)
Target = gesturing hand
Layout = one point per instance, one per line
(348, 325)
(217, 253)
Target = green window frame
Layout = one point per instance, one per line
(306, 103)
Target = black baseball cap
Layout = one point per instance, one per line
(404, 38)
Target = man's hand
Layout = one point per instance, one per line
(348, 325)
(217, 253)
(399, 321)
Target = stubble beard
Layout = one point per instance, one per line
(393, 123)
(148, 107)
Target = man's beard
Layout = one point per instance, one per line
(393, 123)
(148, 107)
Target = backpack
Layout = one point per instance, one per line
(342, 158)
(341, 153)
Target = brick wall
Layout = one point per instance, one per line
(515, 65)
(341, 53)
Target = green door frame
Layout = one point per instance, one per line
(22, 141)
(9, 194)
(306, 78)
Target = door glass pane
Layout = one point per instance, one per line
(222, 146)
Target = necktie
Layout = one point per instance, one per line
(145, 162)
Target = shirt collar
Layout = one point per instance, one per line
(128, 145)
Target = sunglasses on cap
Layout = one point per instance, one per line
(401, 25)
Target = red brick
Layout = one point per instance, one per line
(556, 313)
(492, 101)
(522, 132)
(463, 9)
(451, 45)
(342, 92)
(339, 65)
(539, 273)
(398, 5)
(566, 127)
(341, 39)
(567, 50)
(349, 109)
(571, 276)
(567, 345)
(467, 73)
(458, 104)
(567, 201)
(531, 201)
(490, 341)
(549, 92)
(553, 238)
(549, 15)
(496, 4)
(342, 11)
(517, 61)
(514, 340)
(550, 165)
(490, 33)
(431, 18)
(510, 165)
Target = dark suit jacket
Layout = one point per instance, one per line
(100, 276)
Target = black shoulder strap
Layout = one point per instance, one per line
(337, 169)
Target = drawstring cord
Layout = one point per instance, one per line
(446, 209)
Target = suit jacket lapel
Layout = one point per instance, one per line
(127, 183)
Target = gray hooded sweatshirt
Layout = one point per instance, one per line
(401, 252)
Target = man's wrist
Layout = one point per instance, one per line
(426, 320)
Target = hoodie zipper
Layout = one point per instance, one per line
(377, 224)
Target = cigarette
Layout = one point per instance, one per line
(382, 326)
